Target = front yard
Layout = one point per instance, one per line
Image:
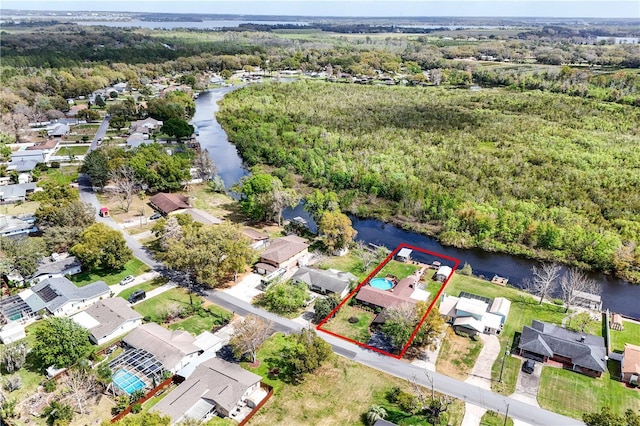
(338, 393)
(341, 325)
(133, 267)
(458, 355)
(572, 394)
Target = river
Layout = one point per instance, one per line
(617, 295)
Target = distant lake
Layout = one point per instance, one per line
(171, 25)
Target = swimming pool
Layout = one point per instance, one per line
(127, 381)
(381, 283)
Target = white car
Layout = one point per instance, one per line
(127, 280)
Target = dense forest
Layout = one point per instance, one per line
(535, 173)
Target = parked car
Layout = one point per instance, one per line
(528, 366)
(155, 216)
(137, 296)
(127, 280)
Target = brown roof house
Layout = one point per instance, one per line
(216, 387)
(630, 364)
(257, 239)
(283, 253)
(166, 203)
(400, 293)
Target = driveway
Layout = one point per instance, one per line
(481, 373)
(246, 289)
(528, 384)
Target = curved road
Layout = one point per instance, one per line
(402, 369)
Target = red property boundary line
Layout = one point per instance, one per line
(366, 281)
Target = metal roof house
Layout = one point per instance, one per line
(108, 319)
(216, 387)
(584, 353)
(325, 281)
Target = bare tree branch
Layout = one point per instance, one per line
(545, 279)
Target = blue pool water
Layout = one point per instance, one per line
(127, 381)
(381, 283)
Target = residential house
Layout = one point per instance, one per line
(56, 267)
(167, 203)
(407, 290)
(584, 353)
(61, 297)
(120, 87)
(200, 216)
(26, 160)
(11, 226)
(443, 273)
(630, 364)
(404, 255)
(108, 319)
(13, 193)
(257, 239)
(473, 314)
(137, 139)
(328, 281)
(12, 332)
(216, 387)
(283, 253)
(58, 130)
(145, 126)
(173, 349)
(587, 300)
(49, 147)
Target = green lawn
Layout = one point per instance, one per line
(346, 263)
(630, 334)
(398, 269)
(572, 394)
(146, 286)
(358, 331)
(196, 324)
(155, 307)
(491, 418)
(133, 267)
(73, 150)
(60, 176)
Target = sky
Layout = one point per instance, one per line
(356, 8)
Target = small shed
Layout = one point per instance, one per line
(404, 255)
(443, 273)
(104, 211)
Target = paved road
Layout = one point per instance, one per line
(100, 134)
(456, 388)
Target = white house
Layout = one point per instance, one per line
(58, 130)
(61, 297)
(473, 315)
(108, 319)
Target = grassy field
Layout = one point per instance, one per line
(133, 267)
(146, 286)
(61, 176)
(398, 269)
(457, 356)
(630, 334)
(341, 325)
(571, 394)
(340, 392)
(155, 307)
(73, 150)
(491, 418)
(346, 263)
(196, 324)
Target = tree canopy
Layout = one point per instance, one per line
(101, 247)
(51, 349)
(177, 128)
(303, 352)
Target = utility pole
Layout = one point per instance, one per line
(506, 415)
(506, 354)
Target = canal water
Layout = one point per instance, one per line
(617, 295)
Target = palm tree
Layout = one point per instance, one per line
(375, 413)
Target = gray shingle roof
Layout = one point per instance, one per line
(61, 291)
(111, 314)
(214, 380)
(335, 282)
(47, 267)
(169, 347)
(585, 350)
(16, 192)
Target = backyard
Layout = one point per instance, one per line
(59, 176)
(133, 267)
(339, 392)
(630, 334)
(341, 325)
(399, 270)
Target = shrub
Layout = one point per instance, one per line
(407, 402)
(49, 386)
(466, 269)
(12, 383)
(353, 320)
(136, 408)
(55, 164)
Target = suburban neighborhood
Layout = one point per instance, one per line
(154, 273)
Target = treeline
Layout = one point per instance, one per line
(343, 28)
(534, 173)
